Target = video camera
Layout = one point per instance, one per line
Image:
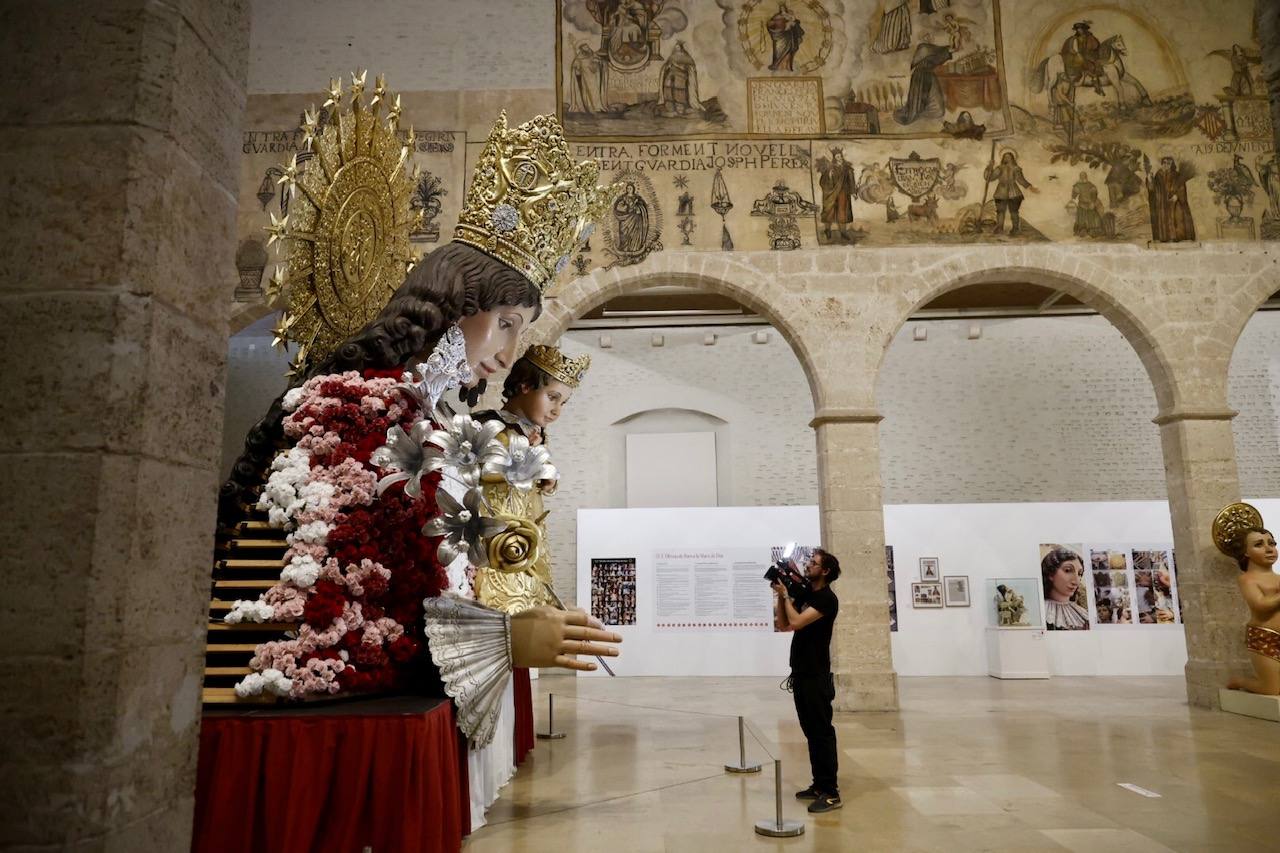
(796, 584)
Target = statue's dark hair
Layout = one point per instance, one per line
(525, 377)
(453, 282)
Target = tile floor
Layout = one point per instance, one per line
(967, 764)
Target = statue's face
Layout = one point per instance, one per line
(1260, 548)
(1066, 580)
(543, 405)
(491, 337)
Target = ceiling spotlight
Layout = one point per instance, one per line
(658, 340)
(761, 337)
(606, 342)
(920, 333)
(975, 332)
(709, 339)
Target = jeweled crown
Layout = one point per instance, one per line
(557, 365)
(529, 205)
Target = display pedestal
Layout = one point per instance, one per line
(1017, 653)
(380, 774)
(1250, 704)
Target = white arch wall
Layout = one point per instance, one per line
(769, 452)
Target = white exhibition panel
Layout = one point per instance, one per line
(641, 533)
(978, 540)
(1002, 540)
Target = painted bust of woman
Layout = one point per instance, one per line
(1063, 572)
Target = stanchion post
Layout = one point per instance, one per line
(779, 828)
(742, 766)
(551, 733)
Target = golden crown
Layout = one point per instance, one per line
(529, 205)
(557, 365)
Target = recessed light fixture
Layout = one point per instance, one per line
(761, 337)
(709, 339)
(606, 342)
(658, 340)
(920, 333)
(975, 332)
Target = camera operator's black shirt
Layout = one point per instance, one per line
(811, 645)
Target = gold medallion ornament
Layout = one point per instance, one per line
(529, 205)
(1230, 523)
(349, 221)
(557, 365)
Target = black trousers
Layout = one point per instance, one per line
(813, 695)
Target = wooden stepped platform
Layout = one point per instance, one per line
(248, 559)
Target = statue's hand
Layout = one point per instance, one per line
(545, 637)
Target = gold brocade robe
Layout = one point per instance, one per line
(513, 593)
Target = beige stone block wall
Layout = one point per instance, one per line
(120, 150)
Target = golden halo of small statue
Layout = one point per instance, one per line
(348, 222)
(1229, 522)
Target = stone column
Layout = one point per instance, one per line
(1200, 470)
(853, 530)
(119, 143)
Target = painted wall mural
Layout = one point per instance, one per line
(752, 125)
(673, 69)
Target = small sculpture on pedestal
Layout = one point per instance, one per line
(1011, 609)
(1238, 533)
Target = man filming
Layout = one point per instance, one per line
(812, 684)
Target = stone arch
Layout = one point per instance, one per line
(1250, 298)
(1092, 285)
(715, 409)
(704, 271)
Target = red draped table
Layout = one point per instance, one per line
(388, 774)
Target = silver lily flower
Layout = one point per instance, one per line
(405, 455)
(522, 466)
(464, 528)
(466, 445)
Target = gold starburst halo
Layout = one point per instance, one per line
(347, 232)
(529, 205)
(1230, 522)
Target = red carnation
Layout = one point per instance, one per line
(324, 605)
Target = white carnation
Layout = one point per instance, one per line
(311, 533)
(280, 497)
(276, 682)
(250, 685)
(249, 611)
(301, 572)
(254, 684)
(316, 495)
(291, 399)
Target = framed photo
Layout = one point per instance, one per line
(929, 569)
(955, 590)
(926, 594)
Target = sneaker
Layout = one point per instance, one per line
(825, 803)
(809, 793)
